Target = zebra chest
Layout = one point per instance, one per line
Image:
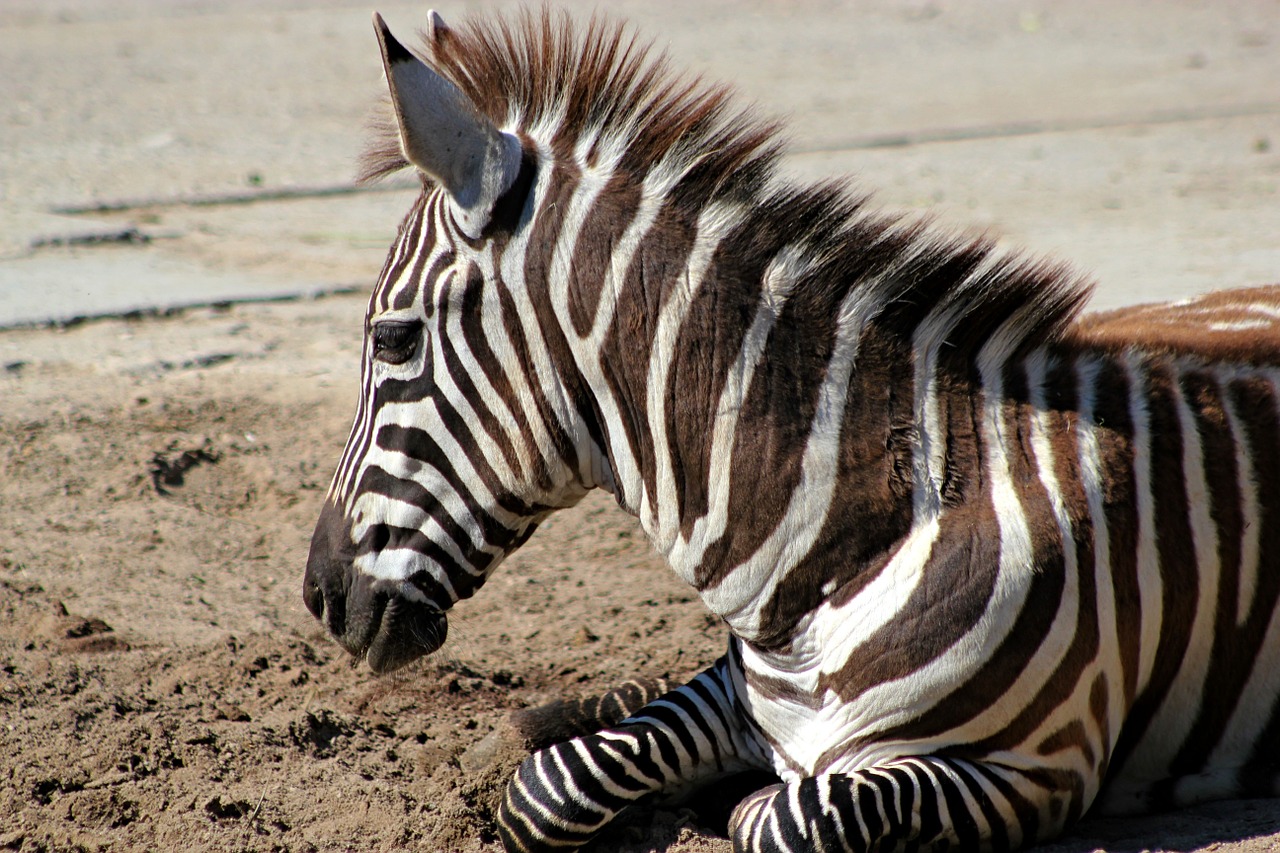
(803, 726)
(864, 681)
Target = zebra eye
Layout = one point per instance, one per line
(395, 341)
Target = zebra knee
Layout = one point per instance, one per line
(548, 806)
(788, 818)
(754, 818)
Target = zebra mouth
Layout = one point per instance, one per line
(373, 620)
(407, 631)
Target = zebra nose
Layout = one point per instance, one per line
(312, 596)
(325, 581)
(379, 619)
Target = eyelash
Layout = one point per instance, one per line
(395, 341)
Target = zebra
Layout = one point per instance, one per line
(985, 564)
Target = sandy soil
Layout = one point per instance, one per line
(162, 686)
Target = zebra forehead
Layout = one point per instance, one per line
(593, 92)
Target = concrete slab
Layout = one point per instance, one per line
(173, 256)
(1140, 140)
(23, 231)
(64, 287)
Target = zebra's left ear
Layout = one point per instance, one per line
(445, 136)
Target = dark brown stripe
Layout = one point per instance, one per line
(611, 214)
(1024, 809)
(1072, 735)
(417, 230)
(1099, 707)
(419, 282)
(380, 482)
(1176, 550)
(421, 446)
(947, 602)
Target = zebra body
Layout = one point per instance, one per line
(983, 565)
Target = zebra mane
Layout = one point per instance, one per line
(601, 90)
(542, 75)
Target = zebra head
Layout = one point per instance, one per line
(441, 478)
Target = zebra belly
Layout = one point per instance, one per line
(1205, 743)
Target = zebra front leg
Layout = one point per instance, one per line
(565, 794)
(919, 803)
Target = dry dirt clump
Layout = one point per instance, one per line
(163, 688)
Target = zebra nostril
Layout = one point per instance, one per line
(313, 597)
(379, 537)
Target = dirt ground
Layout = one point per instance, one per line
(163, 688)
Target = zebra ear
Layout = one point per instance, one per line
(445, 136)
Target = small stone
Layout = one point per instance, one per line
(582, 637)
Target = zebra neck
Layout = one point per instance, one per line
(770, 516)
(744, 374)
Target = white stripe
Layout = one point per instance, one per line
(1057, 640)
(588, 350)
(1250, 546)
(1150, 580)
(1093, 479)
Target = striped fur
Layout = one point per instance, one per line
(984, 566)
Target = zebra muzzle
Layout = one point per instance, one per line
(407, 631)
(370, 617)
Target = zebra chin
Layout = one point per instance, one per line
(407, 631)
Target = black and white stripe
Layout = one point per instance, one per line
(984, 565)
